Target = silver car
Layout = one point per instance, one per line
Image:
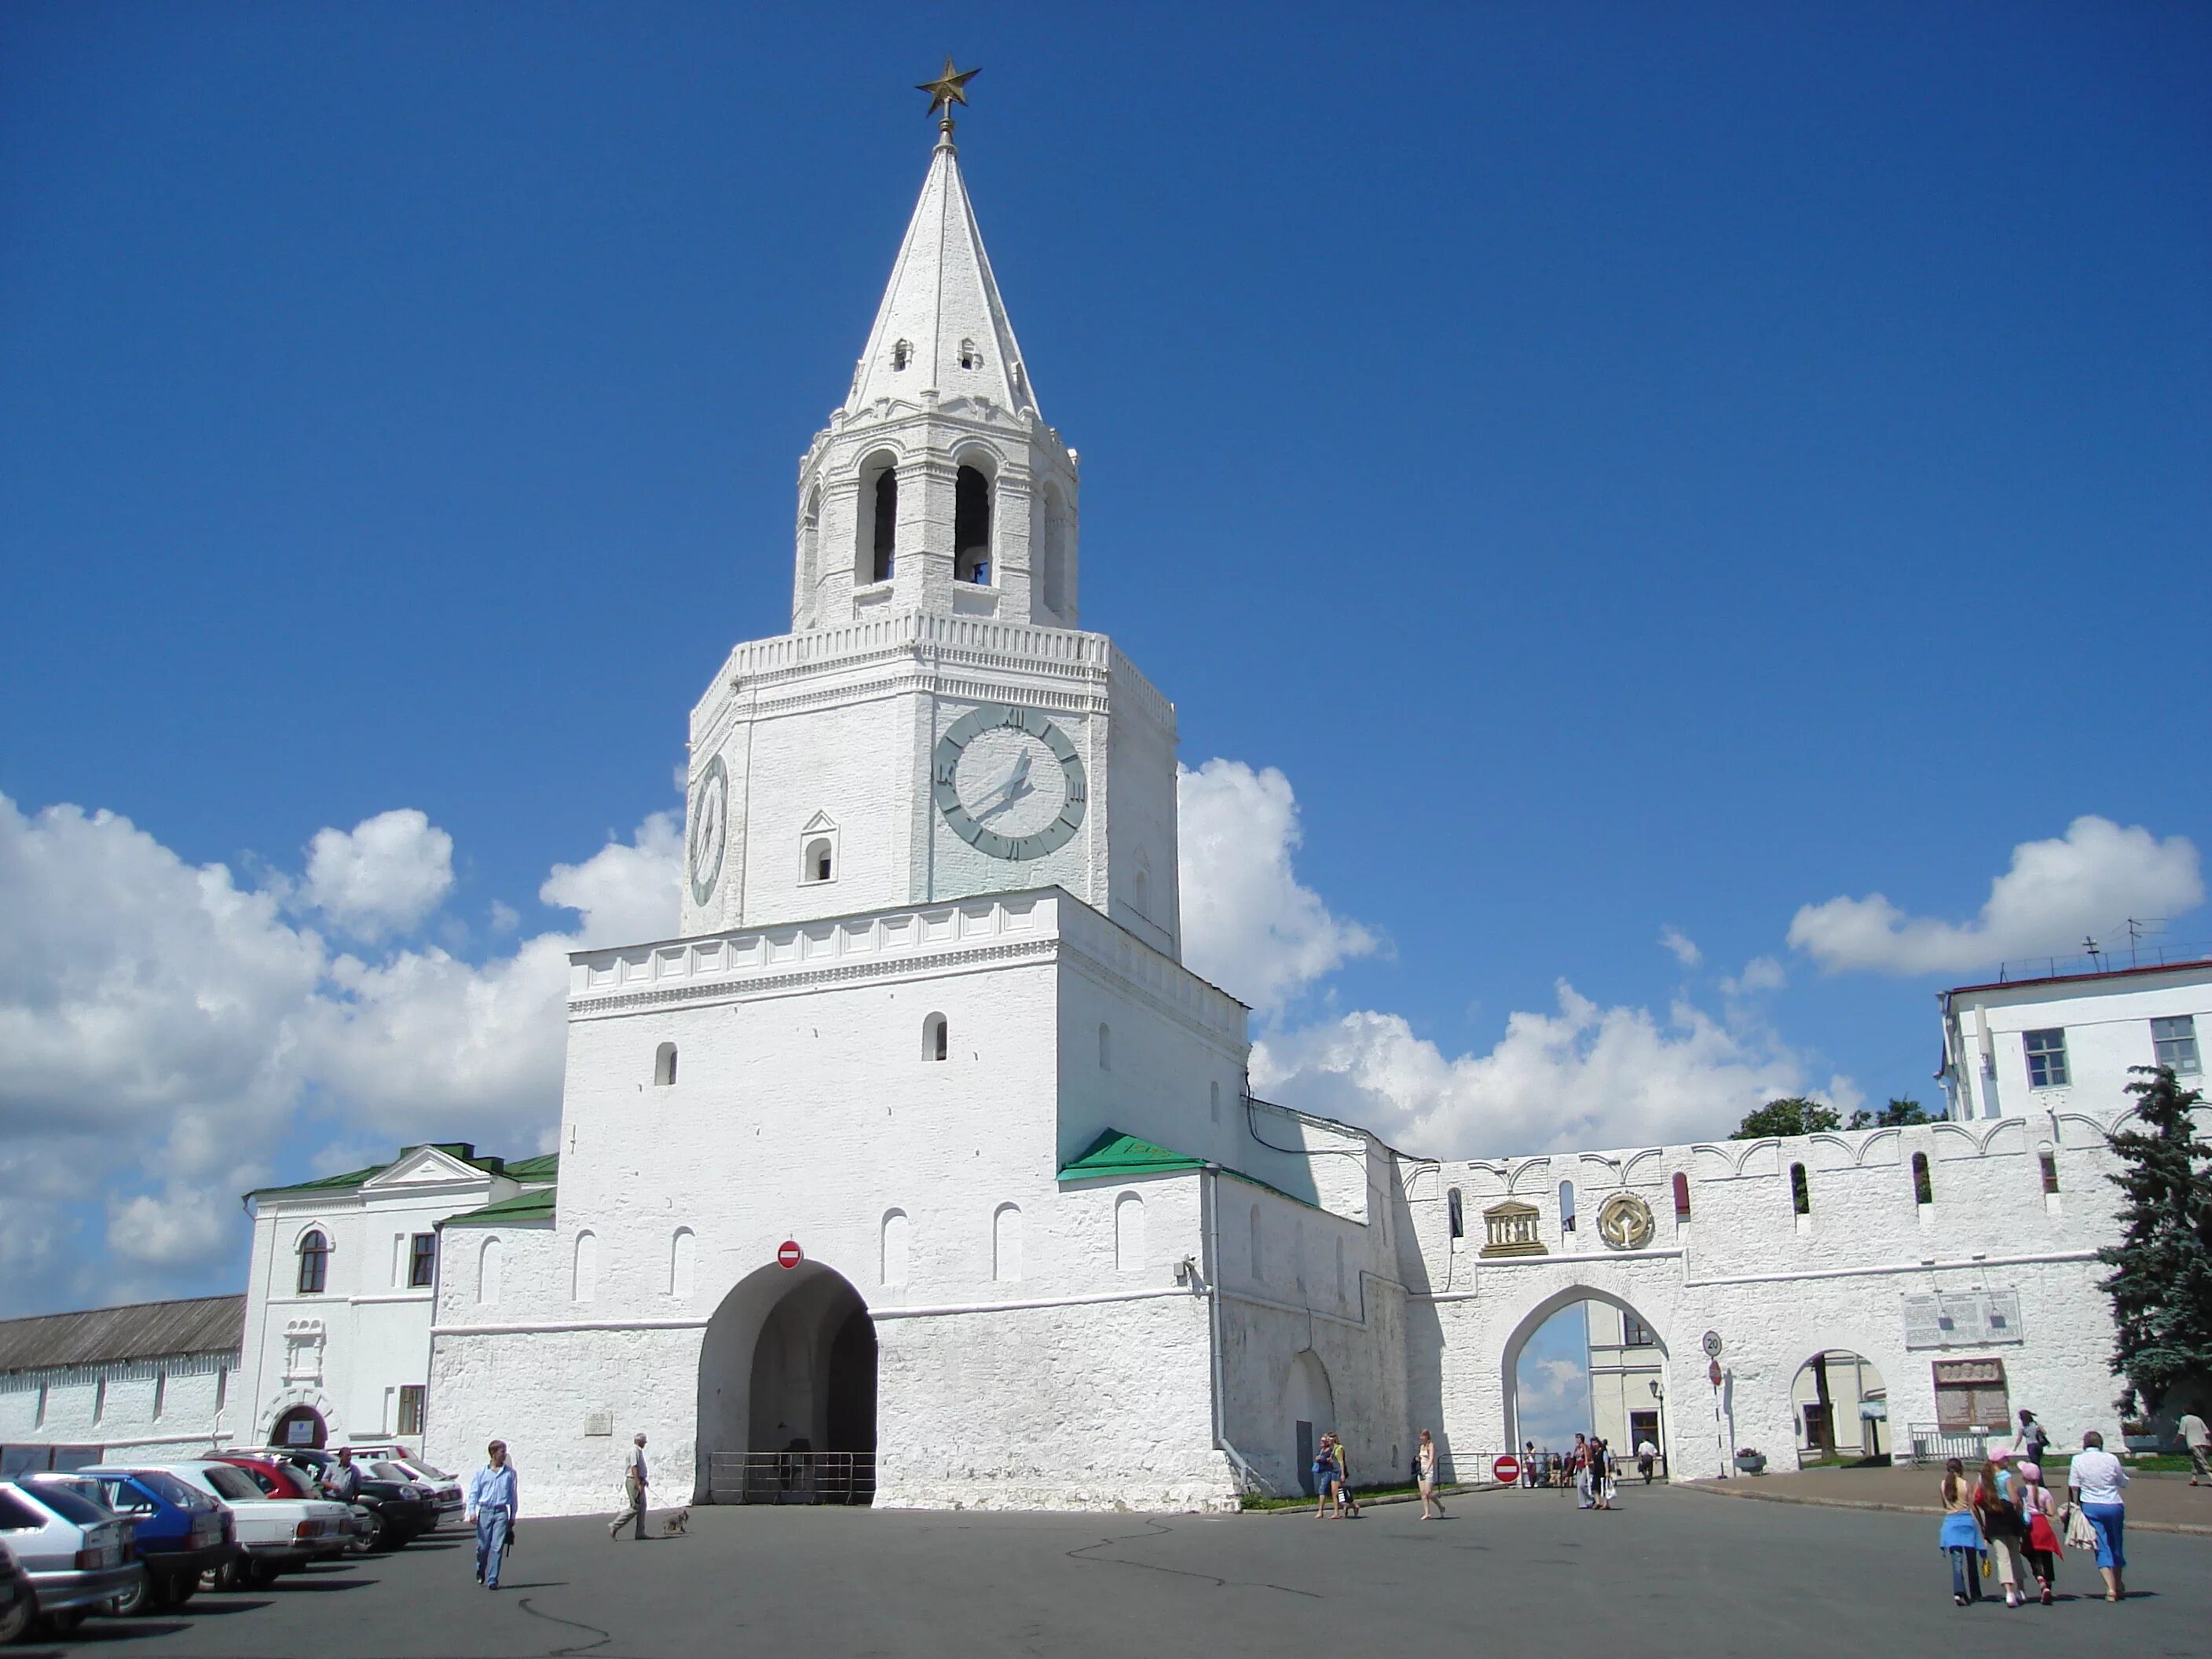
(76, 1552)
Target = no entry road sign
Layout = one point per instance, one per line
(788, 1254)
(1506, 1470)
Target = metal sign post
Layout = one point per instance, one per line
(1712, 1346)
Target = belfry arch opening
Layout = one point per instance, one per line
(879, 506)
(1583, 1361)
(972, 527)
(787, 1392)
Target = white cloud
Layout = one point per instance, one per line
(626, 895)
(160, 1027)
(382, 877)
(1581, 1077)
(2055, 893)
(1760, 974)
(1248, 925)
(1684, 948)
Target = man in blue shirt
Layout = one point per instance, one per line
(491, 1505)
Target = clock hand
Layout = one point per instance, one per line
(1021, 789)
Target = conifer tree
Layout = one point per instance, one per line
(2161, 1283)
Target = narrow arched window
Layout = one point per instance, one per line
(585, 1286)
(1258, 1272)
(1128, 1233)
(810, 541)
(902, 353)
(935, 1037)
(1682, 1196)
(314, 1263)
(969, 356)
(820, 861)
(663, 1065)
(1052, 558)
(2048, 1160)
(1340, 1270)
(1801, 1190)
(1455, 1212)
(1006, 1243)
(897, 1233)
(885, 531)
(488, 1271)
(971, 526)
(1566, 1207)
(1923, 1188)
(1213, 1103)
(683, 1260)
(1105, 1048)
(1140, 892)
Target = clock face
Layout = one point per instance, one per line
(1009, 782)
(710, 823)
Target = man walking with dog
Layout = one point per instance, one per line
(635, 1482)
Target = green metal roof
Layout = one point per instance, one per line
(1116, 1154)
(536, 1204)
(542, 1168)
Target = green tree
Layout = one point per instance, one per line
(1794, 1115)
(1895, 1115)
(2161, 1281)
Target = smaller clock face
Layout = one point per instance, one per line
(710, 823)
(1009, 782)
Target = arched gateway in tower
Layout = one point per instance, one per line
(787, 1408)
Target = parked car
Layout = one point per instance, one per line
(19, 1602)
(445, 1489)
(278, 1479)
(181, 1532)
(399, 1509)
(76, 1552)
(274, 1534)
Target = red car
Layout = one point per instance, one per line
(278, 1479)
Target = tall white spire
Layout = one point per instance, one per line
(942, 325)
(938, 486)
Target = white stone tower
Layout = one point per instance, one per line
(934, 726)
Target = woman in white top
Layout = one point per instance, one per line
(1425, 1462)
(2095, 1477)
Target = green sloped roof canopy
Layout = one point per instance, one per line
(543, 1167)
(536, 1204)
(1114, 1154)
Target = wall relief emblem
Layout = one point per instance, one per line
(1510, 1229)
(1624, 1222)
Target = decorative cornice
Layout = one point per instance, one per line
(729, 988)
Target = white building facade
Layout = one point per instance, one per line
(919, 1161)
(341, 1287)
(2065, 1042)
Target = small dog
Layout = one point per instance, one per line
(674, 1527)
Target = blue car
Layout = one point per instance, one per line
(182, 1532)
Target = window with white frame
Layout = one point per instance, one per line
(2173, 1043)
(2046, 1058)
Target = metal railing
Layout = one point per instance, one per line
(791, 1477)
(1931, 1442)
(2143, 953)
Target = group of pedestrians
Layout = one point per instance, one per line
(2008, 1524)
(494, 1498)
(1597, 1474)
(1332, 1479)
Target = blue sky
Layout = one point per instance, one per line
(1627, 469)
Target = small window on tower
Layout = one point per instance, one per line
(902, 353)
(969, 356)
(935, 1037)
(663, 1066)
(821, 860)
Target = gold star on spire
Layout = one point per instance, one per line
(948, 89)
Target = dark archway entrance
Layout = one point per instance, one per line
(300, 1426)
(787, 1392)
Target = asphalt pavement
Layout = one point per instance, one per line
(1669, 1572)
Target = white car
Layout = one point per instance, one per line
(76, 1552)
(275, 1535)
